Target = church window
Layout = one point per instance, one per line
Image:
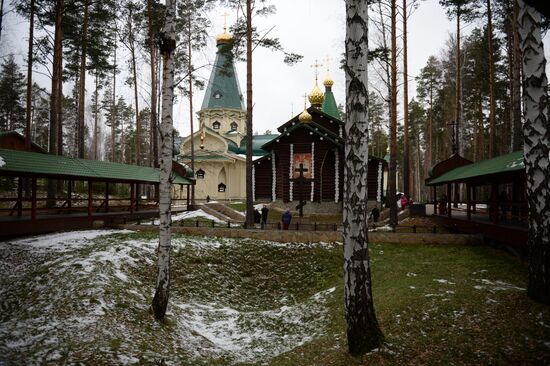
(233, 126)
(200, 174)
(217, 94)
(216, 125)
(221, 187)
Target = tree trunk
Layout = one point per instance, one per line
(167, 45)
(191, 114)
(153, 55)
(458, 101)
(82, 84)
(536, 151)
(406, 170)
(492, 102)
(136, 102)
(363, 331)
(55, 95)
(114, 114)
(393, 121)
(96, 117)
(28, 116)
(517, 126)
(249, 198)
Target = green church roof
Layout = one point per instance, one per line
(223, 89)
(257, 142)
(329, 104)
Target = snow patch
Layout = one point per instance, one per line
(497, 285)
(2, 162)
(198, 214)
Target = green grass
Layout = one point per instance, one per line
(435, 305)
(241, 206)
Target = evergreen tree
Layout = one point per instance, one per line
(12, 91)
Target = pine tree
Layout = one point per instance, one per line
(12, 88)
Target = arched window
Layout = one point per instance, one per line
(217, 94)
(216, 125)
(200, 174)
(234, 126)
(221, 187)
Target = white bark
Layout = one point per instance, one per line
(167, 46)
(536, 151)
(363, 332)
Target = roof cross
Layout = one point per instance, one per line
(316, 65)
(225, 15)
(327, 62)
(305, 100)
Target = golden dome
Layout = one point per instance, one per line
(328, 83)
(224, 37)
(305, 117)
(316, 96)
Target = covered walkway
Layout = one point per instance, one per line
(81, 194)
(486, 197)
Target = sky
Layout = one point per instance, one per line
(316, 29)
(313, 28)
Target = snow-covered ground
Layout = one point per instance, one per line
(187, 215)
(84, 296)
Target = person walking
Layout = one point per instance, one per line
(286, 218)
(265, 212)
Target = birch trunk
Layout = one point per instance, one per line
(363, 332)
(167, 45)
(536, 151)
(516, 82)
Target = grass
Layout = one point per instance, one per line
(243, 301)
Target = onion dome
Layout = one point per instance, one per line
(224, 37)
(305, 117)
(316, 96)
(328, 83)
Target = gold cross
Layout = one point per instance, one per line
(316, 65)
(327, 62)
(305, 100)
(225, 15)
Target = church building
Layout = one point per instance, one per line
(304, 162)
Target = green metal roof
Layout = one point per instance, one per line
(47, 165)
(223, 89)
(501, 164)
(329, 105)
(257, 142)
(313, 127)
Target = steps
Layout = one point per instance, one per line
(223, 212)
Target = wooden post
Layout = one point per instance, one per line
(494, 202)
(90, 201)
(132, 194)
(468, 202)
(187, 201)
(20, 197)
(435, 199)
(449, 200)
(33, 199)
(137, 196)
(106, 196)
(69, 194)
(474, 198)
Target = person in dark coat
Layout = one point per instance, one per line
(286, 218)
(257, 216)
(265, 212)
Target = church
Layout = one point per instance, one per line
(303, 162)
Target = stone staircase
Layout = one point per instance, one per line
(223, 212)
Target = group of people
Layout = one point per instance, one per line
(260, 216)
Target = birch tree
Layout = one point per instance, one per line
(363, 332)
(536, 138)
(167, 45)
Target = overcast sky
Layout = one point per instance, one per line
(312, 28)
